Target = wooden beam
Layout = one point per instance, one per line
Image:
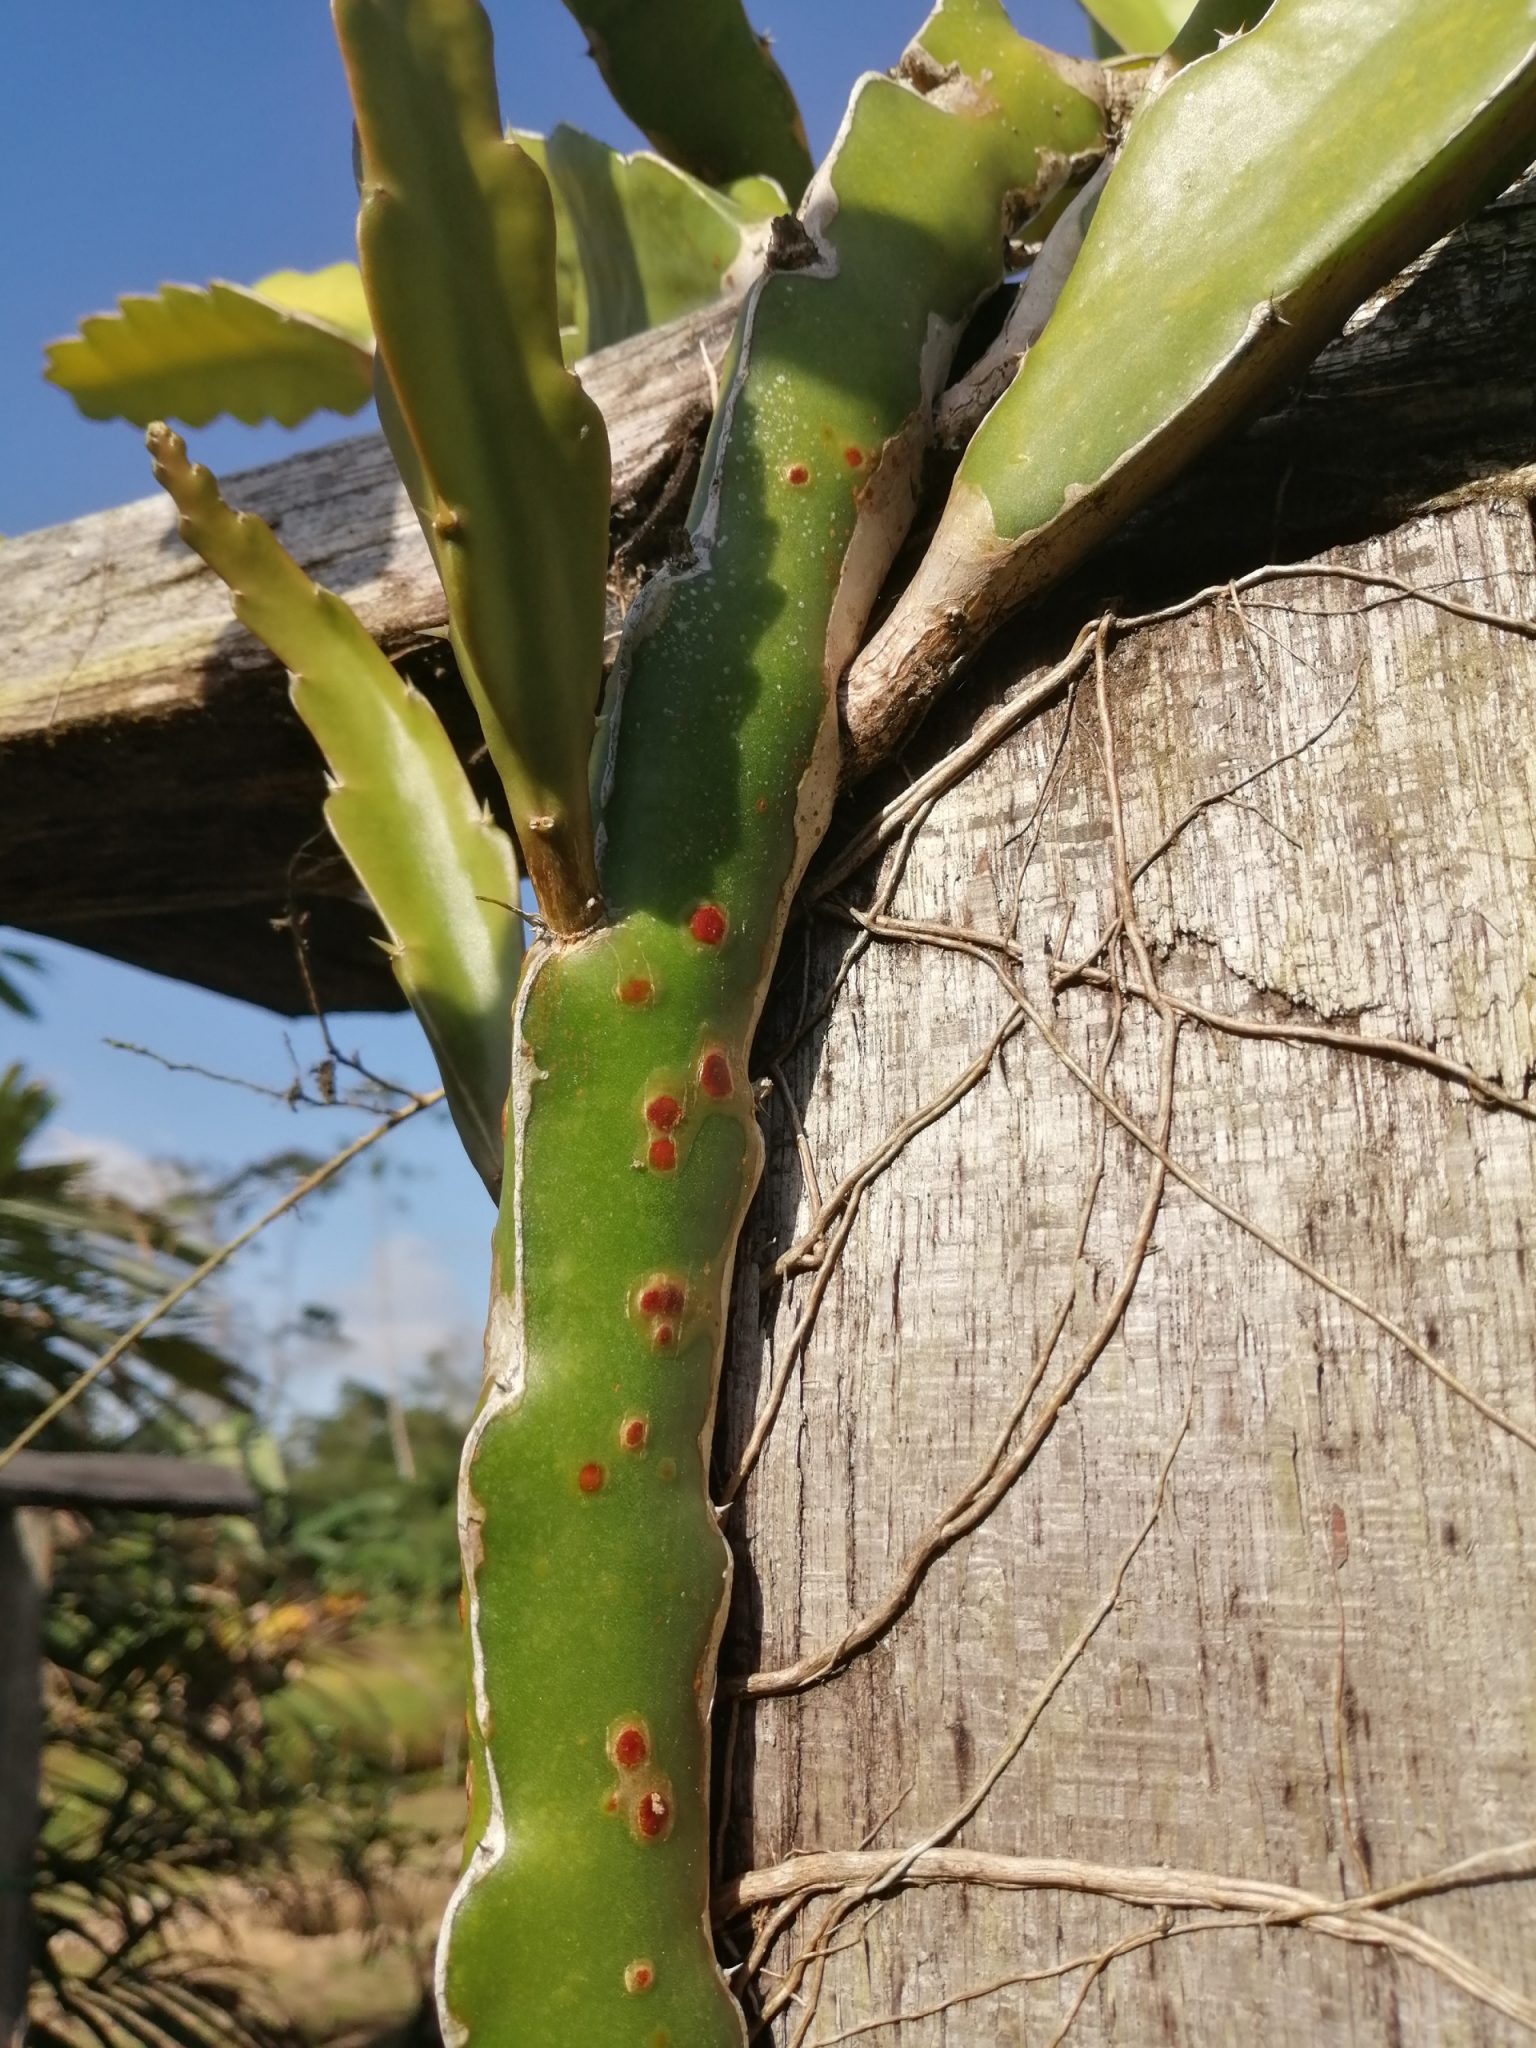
(113, 1479)
(159, 802)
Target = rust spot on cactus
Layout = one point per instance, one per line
(663, 1112)
(590, 1478)
(665, 1337)
(667, 1469)
(506, 1105)
(636, 991)
(661, 1297)
(653, 1814)
(639, 1976)
(611, 1803)
(661, 1155)
(797, 474)
(715, 1075)
(708, 924)
(628, 1745)
(854, 457)
(633, 1432)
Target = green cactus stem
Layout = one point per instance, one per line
(1259, 198)
(653, 241)
(596, 1574)
(701, 85)
(506, 455)
(440, 874)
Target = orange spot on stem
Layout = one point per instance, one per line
(708, 924)
(662, 1112)
(662, 1155)
(653, 1815)
(639, 1976)
(661, 1298)
(715, 1075)
(630, 1747)
(590, 1478)
(635, 991)
(665, 1337)
(854, 457)
(797, 474)
(633, 1431)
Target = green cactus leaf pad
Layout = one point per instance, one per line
(290, 345)
(701, 85)
(653, 243)
(1260, 196)
(508, 456)
(440, 874)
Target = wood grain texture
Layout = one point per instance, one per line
(1322, 1666)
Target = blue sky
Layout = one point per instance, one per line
(154, 140)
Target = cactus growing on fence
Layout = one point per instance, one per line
(596, 1576)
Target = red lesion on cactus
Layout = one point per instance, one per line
(797, 474)
(590, 1478)
(664, 1337)
(629, 1746)
(715, 1075)
(639, 1976)
(661, 1155)
(635, 992)
(854, 457)
(663, 1112)
(708, 924)
(634, 1431)
(661, 1296)
(651, 1814)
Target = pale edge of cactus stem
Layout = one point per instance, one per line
(1259, 198)
(596, 1573)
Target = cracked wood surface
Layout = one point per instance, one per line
(128, 695)
(1321, 1669)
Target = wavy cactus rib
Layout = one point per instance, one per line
(1259, 198)
(456, 236)
(653, 241)
(441, 875)
(291, 344)
(701, 86)
(596, 1573)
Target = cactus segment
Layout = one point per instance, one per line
(570, 286)
(1259, 198)
(596, 1573)
(440, 874)
(653, 242)
(287, 346)
(1142, 28)
(457, 241)
(701, 86)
